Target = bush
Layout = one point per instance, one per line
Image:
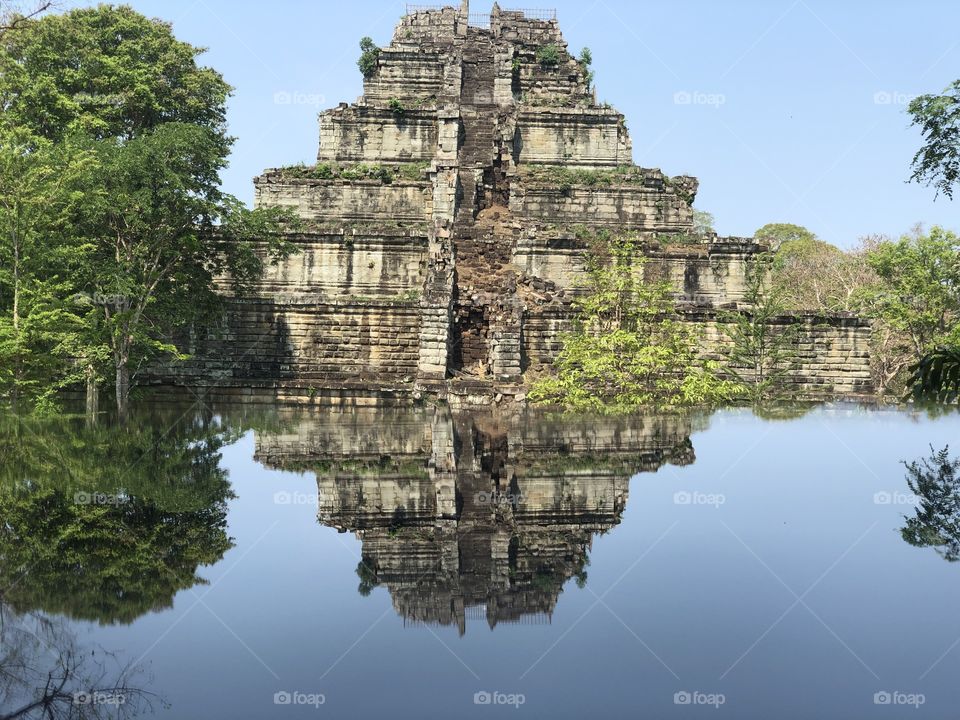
(369, 57)
(396, 106)
(629, 349)
(549, 55)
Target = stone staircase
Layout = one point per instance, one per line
(478, 112)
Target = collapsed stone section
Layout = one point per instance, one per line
(453, 203)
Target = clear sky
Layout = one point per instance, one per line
(787, 110)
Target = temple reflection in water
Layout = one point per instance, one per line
(473, 515)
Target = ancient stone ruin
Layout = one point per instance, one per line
(447, 221)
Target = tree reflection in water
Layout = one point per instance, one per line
(46, 673)
(936, 522)
(106, 523)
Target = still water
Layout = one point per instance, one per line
(253, 562)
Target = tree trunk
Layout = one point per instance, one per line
(93, 396)
(123, 388)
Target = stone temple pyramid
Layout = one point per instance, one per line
(447, 222)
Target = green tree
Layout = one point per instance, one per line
(776, 234)
(164, 233)
(703, 223)
(937, 376)
(762, 352)
(157, 229)
(937, 162)
(915, 303)
(369, 57)
(629, 348)
(920, 294)
(108, 72)
(41, 191)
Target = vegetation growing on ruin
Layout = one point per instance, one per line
(549, 55)
(761, 351)
(586, 60)
(566, 178)
(629, 348)
(357, 171)
(369, 57)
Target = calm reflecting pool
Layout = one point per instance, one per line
(255, 561)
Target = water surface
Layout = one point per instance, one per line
(250, 562)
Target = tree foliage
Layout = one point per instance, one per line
(629, 348)
(112, 142)
(42, 188)
(777, 234)
(369, 57)
(703, 223)
(937, 162)
(761, 352)
(937, 376)
(107, 72)
(920, 290)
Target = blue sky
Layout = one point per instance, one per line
(787, 110)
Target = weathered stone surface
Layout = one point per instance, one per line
(453, 272)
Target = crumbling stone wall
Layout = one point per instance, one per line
(572, 137)
(830, 355)
(347, 200)
(378, 135)
(449, 262)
